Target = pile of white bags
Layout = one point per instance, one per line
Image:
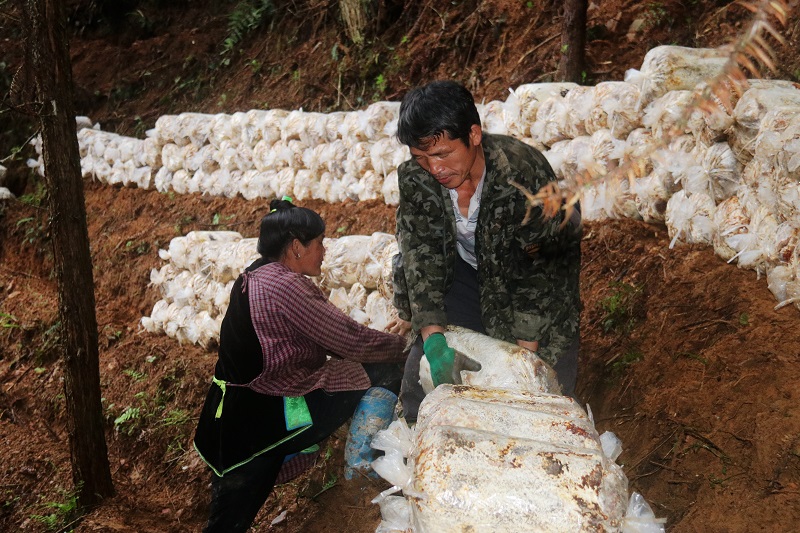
(751, 152)
(202, 266)
(504, 452)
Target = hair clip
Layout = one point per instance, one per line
(287, 199)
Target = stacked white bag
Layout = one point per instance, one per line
(5, 194)
(503, 452)
(750, 152)
(202, 266)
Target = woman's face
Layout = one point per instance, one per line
(311, 257)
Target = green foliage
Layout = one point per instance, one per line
(327, 485)
(247, 16)
(135, 375)
(129, 420)
(37, 197)
(8, 321)
(140, 248)
(619, 306)
(655, 15)
(219, 221)
(380, 87)
(744, 319)
(175, 417)
(34, 228)
(627, 359)
(255, 65)
(61, 512)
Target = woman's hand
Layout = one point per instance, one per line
(398, 326)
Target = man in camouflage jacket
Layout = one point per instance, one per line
(527, 274)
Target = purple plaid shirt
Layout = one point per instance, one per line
(298, 328)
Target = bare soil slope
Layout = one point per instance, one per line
(683, 355)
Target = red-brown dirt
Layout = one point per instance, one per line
(683, 355)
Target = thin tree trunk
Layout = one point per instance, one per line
(354, 14)
(572, 65)
(52, 71)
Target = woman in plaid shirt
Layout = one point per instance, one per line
(292, 368)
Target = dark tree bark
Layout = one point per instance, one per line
(49, 61)
(572, 65)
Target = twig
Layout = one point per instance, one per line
(68, 527)
(35, 133)
(651, 452)
(532, 50)
(707, 322)
(639, 476)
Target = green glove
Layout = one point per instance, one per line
(440, 356)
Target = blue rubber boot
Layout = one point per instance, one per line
(374, 413)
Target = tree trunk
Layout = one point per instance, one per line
(354, 15)
(52, 71)
(571, 66)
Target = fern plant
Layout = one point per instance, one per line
(247, 16)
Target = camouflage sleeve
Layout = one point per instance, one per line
(420, 236)
(400, 293)
(544, 279)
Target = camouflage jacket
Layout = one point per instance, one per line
(528, 296)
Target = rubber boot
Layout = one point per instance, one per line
(374, 413)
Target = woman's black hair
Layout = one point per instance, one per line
(285, 222)
(439, 108)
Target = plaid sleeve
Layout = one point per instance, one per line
(328, 326)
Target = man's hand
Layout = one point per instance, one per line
(441, 357)
(398, 326)
(531, 345)
(462, 362)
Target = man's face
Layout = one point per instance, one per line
(449, 161)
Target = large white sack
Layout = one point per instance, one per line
(690, 218)
(778, 140)
(749, 112)
(614, 107)
(730, 219)
(503, 365)
(492, 115)
(551, 121)
(342, 259)
(579, 102)
(671, 68)
(491, 475)
(753, 246)
(665, 115)
(531, 95)
(380, 310)
(370, 270)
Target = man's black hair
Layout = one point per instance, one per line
(286, 222)
(439, 108)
